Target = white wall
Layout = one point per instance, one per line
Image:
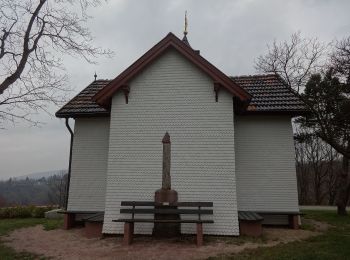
(89, 164)
(173, 95)
(265, 164)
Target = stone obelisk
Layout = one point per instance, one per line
(166, 197)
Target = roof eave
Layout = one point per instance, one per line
(77, 115)
(292, 113)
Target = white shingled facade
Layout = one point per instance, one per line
(89, 164)
(237, 162)
(173, 95)
(265, 165)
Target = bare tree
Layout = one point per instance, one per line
(316, 156)
(56, 188)
(302, 169)
(317, 166)
(340, 61)
(312, 161)
(34, 34)
(295, 61)
(3, 202)
(332, 173)
(302, 176)
(340, 58)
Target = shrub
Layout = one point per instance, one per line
(24, 212)
(39, 212)
(51, 224)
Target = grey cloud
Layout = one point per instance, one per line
(230, 34)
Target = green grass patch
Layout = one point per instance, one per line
(8, 225)
(333, 244)
(51, 224)
(7, 253)
(307, 226)
(235, 240)
(329, 216)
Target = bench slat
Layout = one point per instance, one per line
(178, 204)
(167, 211)
(194, 204)
(79, 212)
(164, 220)
(137, 203)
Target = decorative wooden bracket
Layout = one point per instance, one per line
(126, 90)
(217, 87)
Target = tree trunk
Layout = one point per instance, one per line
(344, 188)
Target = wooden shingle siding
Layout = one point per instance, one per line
(172, 95)
(89, 164)
(265, 164)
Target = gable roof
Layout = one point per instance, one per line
(269, 95)
(103, 97)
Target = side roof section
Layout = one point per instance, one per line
(269, 96)
(82, 104)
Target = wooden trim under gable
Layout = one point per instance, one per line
(126, 90)
(103, 97)
(217, 87)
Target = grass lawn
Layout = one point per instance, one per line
(8, 225)
(333, 244)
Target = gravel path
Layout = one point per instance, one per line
(63, 244)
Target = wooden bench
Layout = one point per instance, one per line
(69, 216)
(187, 208)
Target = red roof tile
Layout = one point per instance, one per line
(269, 95)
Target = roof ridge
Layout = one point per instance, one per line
(254, 75)
(102, 80)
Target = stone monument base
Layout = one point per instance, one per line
(165, 198)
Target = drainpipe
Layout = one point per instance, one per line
(70, 161)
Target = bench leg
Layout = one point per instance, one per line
(199, 234)
(69, 220)
(128, 233)
(293, 221)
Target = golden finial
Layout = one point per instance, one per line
(185, 31)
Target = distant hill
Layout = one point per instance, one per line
(39, 175)
(44, 188)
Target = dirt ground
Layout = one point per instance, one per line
(70, 244)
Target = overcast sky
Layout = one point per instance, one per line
(230, 34)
